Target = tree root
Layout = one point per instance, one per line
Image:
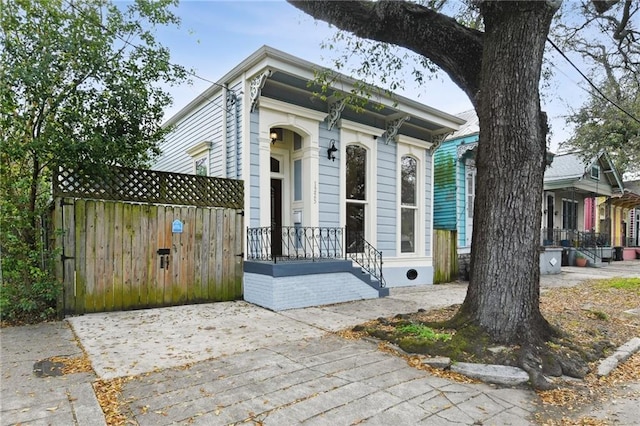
(541, 362)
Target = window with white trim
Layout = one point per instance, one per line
(356, 196)
(408, 203)
(595, 172)
(200, 157)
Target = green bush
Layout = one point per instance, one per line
(28, 292)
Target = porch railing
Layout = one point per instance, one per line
(301, 243)
(369, 258)
(595, 245)
(288, 243)
(574, 238)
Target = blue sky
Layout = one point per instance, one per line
(217, 35)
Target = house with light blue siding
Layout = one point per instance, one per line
(338, 200)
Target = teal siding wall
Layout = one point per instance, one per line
(444, 185)
(450, 188)
(461, 203)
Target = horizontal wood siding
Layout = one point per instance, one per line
(234, 137)
(444, 210)
(386, 191)
(461, 203)
(428, 191)
(254, 171)
(328, 181)
(204, 124)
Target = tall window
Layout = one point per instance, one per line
(409, 206)
(569, 214)
(356, 179)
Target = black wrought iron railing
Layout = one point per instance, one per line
(574, 238)
(302, 243)
(369, 258)
(596, 245)
(288, 243)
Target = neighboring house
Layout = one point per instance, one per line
(571, 216)
(455, 179)
(571, 189)
(624, 211)
(322, 180)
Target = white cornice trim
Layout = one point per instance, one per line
(272, 104)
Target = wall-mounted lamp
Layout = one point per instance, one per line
(330, 151)
(273, 136)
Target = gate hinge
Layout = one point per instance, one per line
(63, 257)
(240, 255)
(241, 213)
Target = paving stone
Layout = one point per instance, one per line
(440, 362)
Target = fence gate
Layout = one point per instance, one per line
(140, 238)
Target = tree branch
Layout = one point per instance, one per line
(456, 49)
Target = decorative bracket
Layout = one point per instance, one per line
(436, 140)
(465, 147)
(393, 126)
(256, 88)
(335, 109)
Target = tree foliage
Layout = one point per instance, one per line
(80, 87)
(608, 39)
(601, 125)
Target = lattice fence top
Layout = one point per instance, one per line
(150, 186)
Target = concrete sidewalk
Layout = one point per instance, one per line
(26, 399)
(230, 362)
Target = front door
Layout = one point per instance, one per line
(550, 208)
(276, 217)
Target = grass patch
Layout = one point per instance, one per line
(632, 284)
(423, 332)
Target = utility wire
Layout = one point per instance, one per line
(591, 83)
(127, 42)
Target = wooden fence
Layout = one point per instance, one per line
(445, 256)
(120, 255)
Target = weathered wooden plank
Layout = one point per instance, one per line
(213, 249)
(219, 283)
(58, 266)
(152, 256)
(99, 289)
(118, 262)
(80, 219)
(65, 243)
(142, 255)
(172, 258)
(227, 277)
(197, 254)
(177, 292)
(445, 257)
(238, 257)
(187, 265)
(90, 295)
(128, 298)
(107, 221)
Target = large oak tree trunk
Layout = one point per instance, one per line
(503, 295)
